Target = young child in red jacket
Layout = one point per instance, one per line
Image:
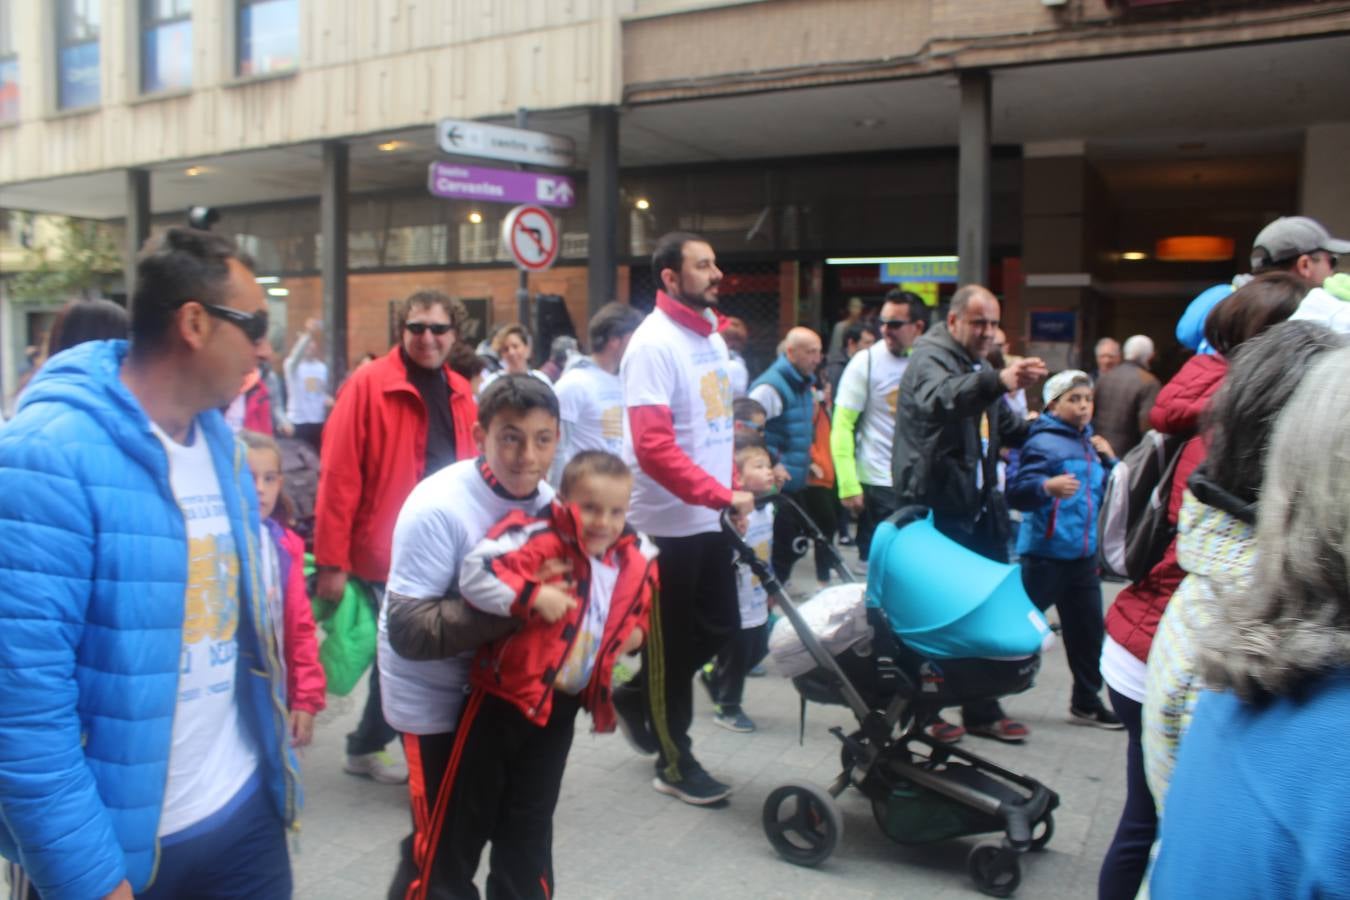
(283, 573)
(580, 584)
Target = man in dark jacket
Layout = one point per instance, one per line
(950, 423)
(1125, 397)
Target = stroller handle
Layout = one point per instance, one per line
(811, 536)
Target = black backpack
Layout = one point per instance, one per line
(1132, 527)
(300, 481)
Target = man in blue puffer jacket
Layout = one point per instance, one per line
(143, 747)
(786, 390)
(1060, 482)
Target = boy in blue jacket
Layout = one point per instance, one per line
(1059, 484)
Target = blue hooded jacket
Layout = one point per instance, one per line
(1059, 529)
(93, 572)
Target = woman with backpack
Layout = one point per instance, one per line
(1132, 619)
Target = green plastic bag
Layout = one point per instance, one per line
(348, 646)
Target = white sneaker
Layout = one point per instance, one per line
(381, 767)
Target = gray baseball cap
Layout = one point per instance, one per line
(1291, 236)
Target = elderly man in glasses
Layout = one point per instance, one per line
(397, 420)
(143, 736)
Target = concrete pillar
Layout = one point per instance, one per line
(972, 182)
(333, 261)
(602, 207)
(1324, 191)
(138, 224)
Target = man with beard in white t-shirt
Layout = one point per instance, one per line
(863, 427)
(590, 395)
(678, 440)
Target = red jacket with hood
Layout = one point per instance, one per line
(1133, 618)
(374, 454)
(499, 577)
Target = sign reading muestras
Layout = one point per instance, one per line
(464, 138)
(455, 182)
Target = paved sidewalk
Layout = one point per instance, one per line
(616, 837)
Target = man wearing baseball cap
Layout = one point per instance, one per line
(1299, 245)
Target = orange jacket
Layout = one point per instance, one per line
(820, 451)
(374, 453)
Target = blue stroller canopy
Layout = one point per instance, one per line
(947, 602)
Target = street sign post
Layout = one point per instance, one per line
(531, 236)
(464, 138)
(456, 182)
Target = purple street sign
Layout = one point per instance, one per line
(456, 182)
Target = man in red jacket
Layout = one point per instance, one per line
(396, 420)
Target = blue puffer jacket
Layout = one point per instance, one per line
(93, 571)
(790, 434)
(1059, 529)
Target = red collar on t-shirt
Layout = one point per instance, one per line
(686, 316)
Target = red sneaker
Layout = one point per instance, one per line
(945, 732)
(1009, 731)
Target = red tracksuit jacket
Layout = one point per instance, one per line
(498, 577)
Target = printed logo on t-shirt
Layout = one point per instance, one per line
(611, 423)
(211, 606)
(715, 388)
(892, 399)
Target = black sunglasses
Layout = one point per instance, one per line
(894, 323)
(421, 328)
(253, 325)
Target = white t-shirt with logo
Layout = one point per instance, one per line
(874, 394)
(212, 755)
(590, 407)
(444, 517)
(754, 600)
(576, 669)
(307, 392)
(669, 365)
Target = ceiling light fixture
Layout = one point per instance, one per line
(267, 279)
(643, 203)
(476, 217)
(391, 146)
(278, 292)
(194, 171)
(1134, 255)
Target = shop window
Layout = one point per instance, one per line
(166, 45)
(9, 65)
(269, 36)
(77, 56)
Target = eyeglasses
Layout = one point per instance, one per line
(421, 328)
(254, 325)
(895, 323)
(750, 426)
(1332, 259)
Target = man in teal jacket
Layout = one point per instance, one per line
(143, 747)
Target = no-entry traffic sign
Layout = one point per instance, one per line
(531, 235)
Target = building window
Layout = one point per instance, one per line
(269, 36)
(9, 65)
(77, 31)
(166, 45)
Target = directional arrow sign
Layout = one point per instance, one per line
(499, 185)
(464, 138)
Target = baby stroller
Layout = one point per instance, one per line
(978, 637)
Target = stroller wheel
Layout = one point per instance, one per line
(1042, 832)
(995, 869)
(802, 823)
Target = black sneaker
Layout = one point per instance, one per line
(695, 786)
(1101, 717)
(628, 708)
